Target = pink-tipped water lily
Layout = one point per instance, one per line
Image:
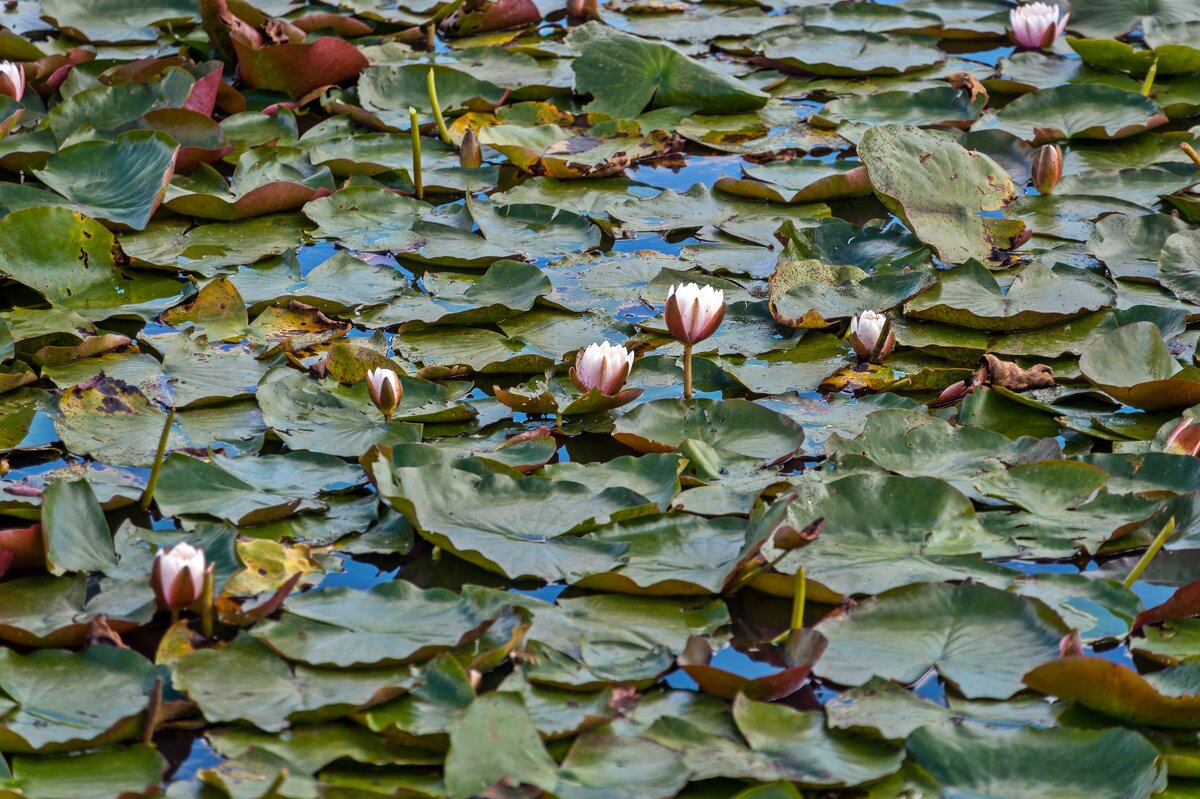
(1047, 168)
(12, 80)
(1184, 438)
(603, 367)
(385, 389)
(694, 313)
(1037, 25)
(865, 332)
(178, 576)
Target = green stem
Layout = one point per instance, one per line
(1149, 554)
(418, 186)
(152, 483)
(798, 598)
(437, 109)
(1148, 84)
(687, 371)
(206, 599)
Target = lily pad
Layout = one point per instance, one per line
(1133, 365)
(982, 640)
(937, 187)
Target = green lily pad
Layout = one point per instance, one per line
(970, 296)
(937, 187)
(515, 526)
(271, 693)
(1177, 265)
(338, 420)
(1075, 112)
(134, 771)
(1133, 365)
(809, 293)
(924, 530)
(821, 51)
(392, 624)
(80, 268)
(736, 425)
(625, 74)
(1130, 245)
(249, 490)
(60, 701)
(972, 761)
(981, 640)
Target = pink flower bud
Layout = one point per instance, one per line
(385, 390)
(694, 313)
(603, 367)
(1037, 25)
(178, 576)
(12, 80)
(865, 331)
(1047, 168)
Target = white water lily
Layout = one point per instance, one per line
(386, 392)
(1037, 25)
(178, 576)
(694, 313)
(12, 80)
(603, 367)
(865, 330)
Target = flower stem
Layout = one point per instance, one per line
(206, 599)
(1190, 152)
(798, 599)
(437, 109)
(1149, 554)
(418, 186)
(152, 483)
(151, 721)
(687, 371)
(1148, 84)
(276, 784)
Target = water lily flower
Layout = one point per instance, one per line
(12, 80)
(178, 576)
(865, 332)
(693, 314)
(1184, 439)
(1037, 25)
(385, 390)
(603, 367)
(1047, 168)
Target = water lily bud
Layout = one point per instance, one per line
(865, 330)
(178, 576)
(1037, 25)
(385, 389)
(12, 80)
(1047, 168)
(694, 313)
(469, 155)
(603, 367)
(1184, 438)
